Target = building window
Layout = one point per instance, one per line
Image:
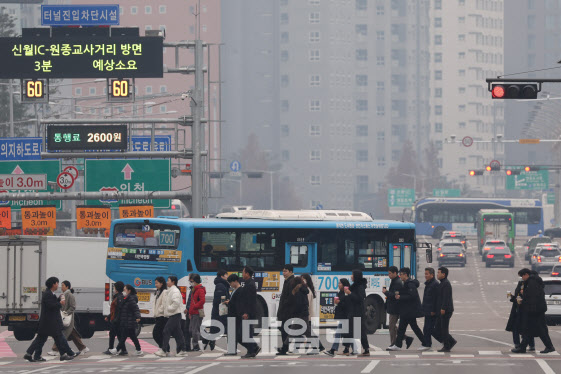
(92, 91)
(461, 19)
(314, 37)
(461, 55)
(380, 35)
(147, 27)
(462, 108)
(285, 106)
(380, 110)
(134, 10)
(148, 110)
(437, 22)
(148, 89)
(438, 75)
(438, 127)
(462, 125)
(315, 105)
(438, 92)
(162, 9)
(285, 130)
(163, 89)
(461, 90)
(438, 57)
(462, 160)
(362, 105)
(314, 17)
(462, 73)
(284, 80)
(315, 180)
(78, 91)
(461, 38)
(283, 2)
(361, 4)
(380, 86)
(362, 130)
(163, 109)
(438, 110)
(362, 183)
(438, 145)
(361, 80)
(315, 80)
(438, 40)
(284, 19)
(148, 9)
(284, 37)
(381, 161)
(461, 2)
(396, 130)
(314, 55)
(395, 155)
(380, 10)
(285, 155)
(314, 2)
(361, 54)
(380, 60)
(315, 130)
(438, 4)
(362, 155)
(284, 56)
(315, 155)
(361, 29)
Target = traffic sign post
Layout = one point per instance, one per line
(128, 175)
(400, 198)
(51, 168)
(65, 180)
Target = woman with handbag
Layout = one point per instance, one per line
(196, 310)
(67, 314)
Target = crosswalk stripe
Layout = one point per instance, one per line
(228, 358)
(433, 353)
(210, 355)
(462, 356)
(406, 356)
(103, 357)
(6, 363)
(490, 353)
(287, 357)
(170, 359)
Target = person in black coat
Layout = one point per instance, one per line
(429, 307)
(114, 317)
(283, 313)
(50, 324)
(409, 309)
(392, 307)
(234, 311)
(247, 306)
(129, 319)
(221, 288)
(187, 323)
(444, 311)
(341, 315)
(357, 316)
(533, 308)
(515, 319)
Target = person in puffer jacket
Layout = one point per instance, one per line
(129, 319)
(196, 310)
(410, 309)
(173, 303)
(161, 293)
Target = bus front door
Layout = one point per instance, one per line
(300, 255)
(403, 256)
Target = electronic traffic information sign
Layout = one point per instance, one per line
(87, 138)
(73, 57)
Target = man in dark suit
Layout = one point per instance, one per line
(283, 313)
(247, 305)
(234, 337)
(444, 311)
(50, 324)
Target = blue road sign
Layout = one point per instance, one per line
(18, 149)
(319, 207)
(79, 15)
(28, 149)
(235, 166)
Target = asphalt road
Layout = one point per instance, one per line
(478, 325)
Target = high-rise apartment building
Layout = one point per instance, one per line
(467, 39)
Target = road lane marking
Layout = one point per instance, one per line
(545, 367)
(370, 366)
(462, 356)
(490, 353)
(489, 340)
(201, 368)
(378, 353)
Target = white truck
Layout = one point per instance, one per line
(27, 261)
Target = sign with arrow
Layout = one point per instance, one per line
(128, 175)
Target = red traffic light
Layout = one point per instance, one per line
(472, 173)
(498, 92)
(509, 172)
(475, 172)
(527, 168)
(488, 168)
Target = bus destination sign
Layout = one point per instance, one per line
(62, 57)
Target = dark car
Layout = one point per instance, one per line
(499, 255)
(452, 254)
(455, 235)
(530, 246)
(490, 243)
(554, 232)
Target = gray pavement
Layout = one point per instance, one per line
(478, 325)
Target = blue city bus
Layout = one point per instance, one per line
(432, 216)
(327, 247)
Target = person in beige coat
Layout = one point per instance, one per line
(312, 313)
(68, 308)
(159, 306)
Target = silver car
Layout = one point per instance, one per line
(552, 288)
(546, 258)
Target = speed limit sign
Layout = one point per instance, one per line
(65, 180)
(467, 141)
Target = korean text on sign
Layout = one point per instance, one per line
(79, 15)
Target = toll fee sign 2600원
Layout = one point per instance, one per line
(123, 57)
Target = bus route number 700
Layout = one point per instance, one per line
(327, 283)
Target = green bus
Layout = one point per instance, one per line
(495, 224)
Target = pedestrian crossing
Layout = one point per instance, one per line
(295, 356)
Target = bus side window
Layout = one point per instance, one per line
(189, 265)
(299, 255)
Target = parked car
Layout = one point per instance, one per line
(499, 255)
(552, 288)
(452, 254)
(547, 258)
(491, 243)
(455, 235)
(530, 245)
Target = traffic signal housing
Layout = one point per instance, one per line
(510, 172)
(475, 172)
(531, 168)
(514, 91)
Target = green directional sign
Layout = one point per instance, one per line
(551, 198)
(446, 192)
(401, 197)
(128, 175)
(531, 180)
(20, 168)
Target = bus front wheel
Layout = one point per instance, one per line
(373, 309)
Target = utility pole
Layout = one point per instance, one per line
(197, 111)
(11, 91)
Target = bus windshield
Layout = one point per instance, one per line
(148, 242)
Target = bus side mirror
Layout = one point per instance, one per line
(429, 255)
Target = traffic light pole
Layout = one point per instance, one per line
(197, 111)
